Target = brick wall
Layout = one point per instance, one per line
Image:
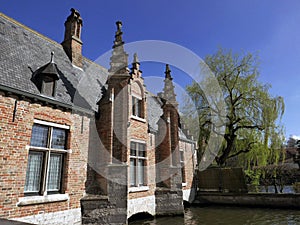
(15, 136)
(190, 163)
(138, 131)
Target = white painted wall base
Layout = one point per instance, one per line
(189, 195)
(73, 216)
(139, 205)
(67, 217)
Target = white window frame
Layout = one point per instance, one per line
(139, 103)
(47, 151)
(136, 159)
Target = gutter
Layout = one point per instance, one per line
(47, 100)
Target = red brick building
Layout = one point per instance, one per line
(97, 153)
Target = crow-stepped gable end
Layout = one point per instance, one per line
(78, 158)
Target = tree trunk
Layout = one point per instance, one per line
(229, 148)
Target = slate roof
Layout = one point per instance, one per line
(24, 51)
(154, 111)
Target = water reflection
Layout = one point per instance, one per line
(229, 216)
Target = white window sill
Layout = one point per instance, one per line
(184, 184)
(138, 189)
(32, 200)
(138, 118)
(28, 147)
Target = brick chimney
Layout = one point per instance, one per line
(72, 43)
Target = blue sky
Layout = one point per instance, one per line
(270, 28)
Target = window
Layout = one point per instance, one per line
(137, 164)
(137, 107)
(181, 152)
(45, 159)
(48, 86)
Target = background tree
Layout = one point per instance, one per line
(252, 113)
(291, 142)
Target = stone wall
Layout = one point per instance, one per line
(66, 217)
(110, 209)
(168, 202)
(141, 205)
(251, 200)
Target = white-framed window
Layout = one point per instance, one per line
(137, 107)
(137, 164)
(47, 150)
(181, 152)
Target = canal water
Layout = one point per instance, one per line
(218, 215)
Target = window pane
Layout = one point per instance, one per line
(48, 87)
(142, 152)
(34, 172)
(133, 149)
(136, 107)
(59, 137)
(39, 136)
(181, 156)
(141, 172)
(139, 108)
(133, 106)
(183, 172)
(132, 172)
(54, 172)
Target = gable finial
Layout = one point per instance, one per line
(135, 58)
(118, 36)
(119, 25)
(135, 63)
(168, 72)
(52, 57)
(119, 58)
(169, 88)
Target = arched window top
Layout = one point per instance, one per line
(136, 89)
(138, 101)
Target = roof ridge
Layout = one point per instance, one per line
(29, 29)
(93, 62)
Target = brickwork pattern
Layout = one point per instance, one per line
(189, 164)
(15, 136)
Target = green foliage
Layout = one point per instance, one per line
(276, 175)
(252, 132)
(253, 176)
(296, 187)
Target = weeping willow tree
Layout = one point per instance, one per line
(252, 133)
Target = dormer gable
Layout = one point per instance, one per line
(45, 78)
